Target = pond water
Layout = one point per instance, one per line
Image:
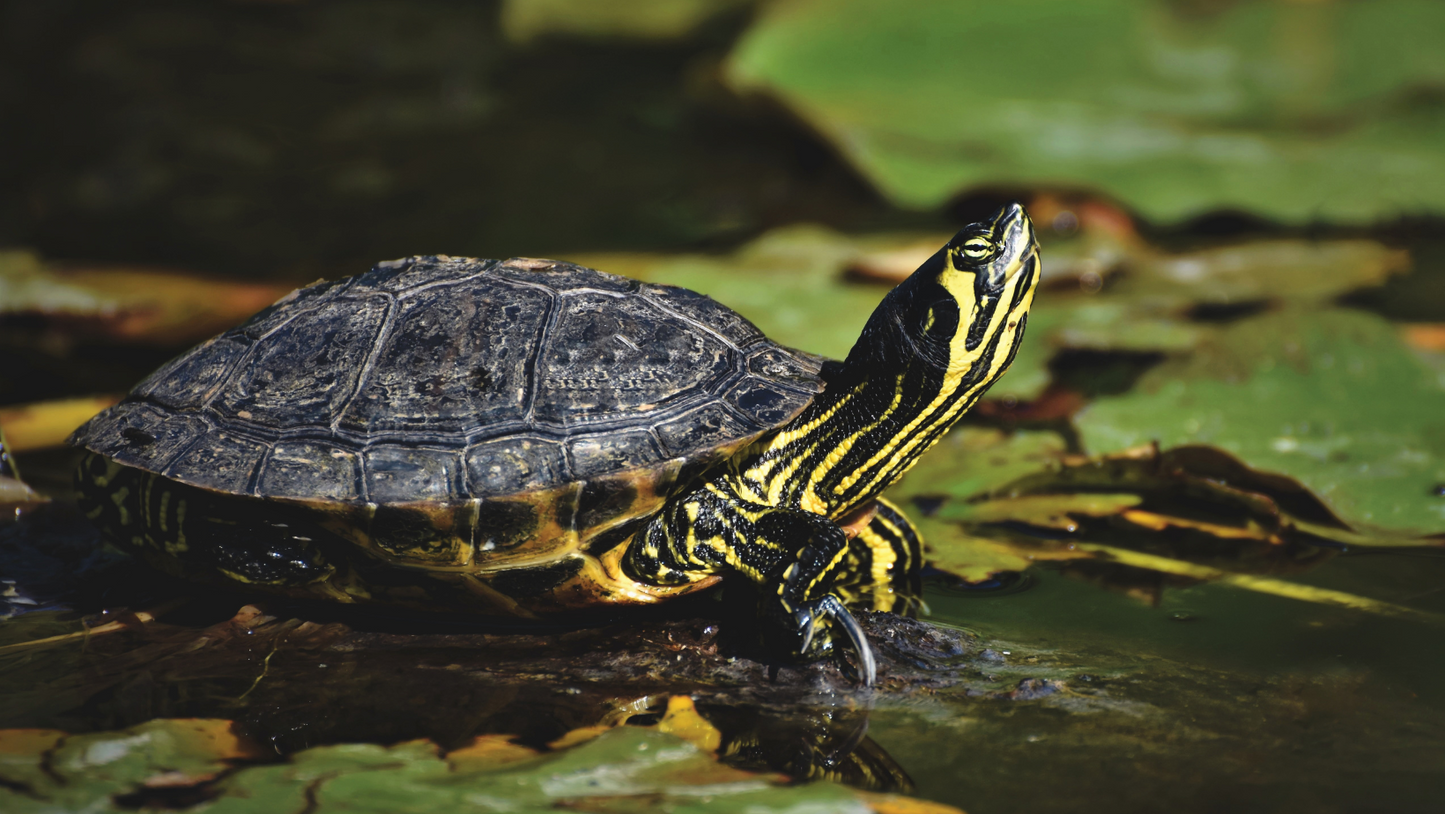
(1255, 626)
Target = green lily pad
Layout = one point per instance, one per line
(1134, 521)
(789, 282)
(1146, 304)
(1296, 111)
(1299, 270)
(44, 770)
(622, 769)
(1331, 398)
(972, 461)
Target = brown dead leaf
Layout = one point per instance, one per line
(141, 305)
(160, 307)
(1425, 336)
(487, 752)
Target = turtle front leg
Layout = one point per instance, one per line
(808, 566)
(875, 564)
(872, 560)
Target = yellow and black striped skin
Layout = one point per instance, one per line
(930, 350)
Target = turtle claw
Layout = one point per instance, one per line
(834, 608)
(868, 669)
(807, 624)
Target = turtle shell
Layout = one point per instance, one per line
(527, 408)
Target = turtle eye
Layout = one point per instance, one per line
(977, 248)
(971, 251)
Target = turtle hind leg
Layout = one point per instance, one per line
(192, 533)
(271, 553)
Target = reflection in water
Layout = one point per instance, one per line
(817, 744)
(295, 685)
(1001, 583)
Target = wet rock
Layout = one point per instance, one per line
(1032, 689)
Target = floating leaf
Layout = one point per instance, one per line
(1300, 112)
(1258, 584)
(620, 770)
(48, 423)
(129, 304)
(789, 282)
(1059, 512)
(1330, 398)
(48, 771)
(1192, 512)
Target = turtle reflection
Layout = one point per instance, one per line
(824, 744)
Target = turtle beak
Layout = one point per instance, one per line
(1019, 248)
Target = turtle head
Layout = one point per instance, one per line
(964, 309)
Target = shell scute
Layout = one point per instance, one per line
(288, 307)
(142, 435)
(621, 358)
(307, 469)
(397, 473)
(504, 524)
(457, 360)
(424, 534)
(559, 276)
(702, 426)
(188, 380)
(220, 461)
(307, 369)
(787, 368)
(706, 312)
(764, 402)
(605, 453)
(424, 271)
(515, 464)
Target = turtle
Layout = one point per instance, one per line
(526, 437)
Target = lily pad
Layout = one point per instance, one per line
(44, 770)
(179, 763)
(1131, 521)
(47, 424)
(143, 305)
(1331, 398)
(789, 282)
(1297, 112)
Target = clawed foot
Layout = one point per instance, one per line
(830, 606)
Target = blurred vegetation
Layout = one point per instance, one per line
(1298, 112)
(1208, 499)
